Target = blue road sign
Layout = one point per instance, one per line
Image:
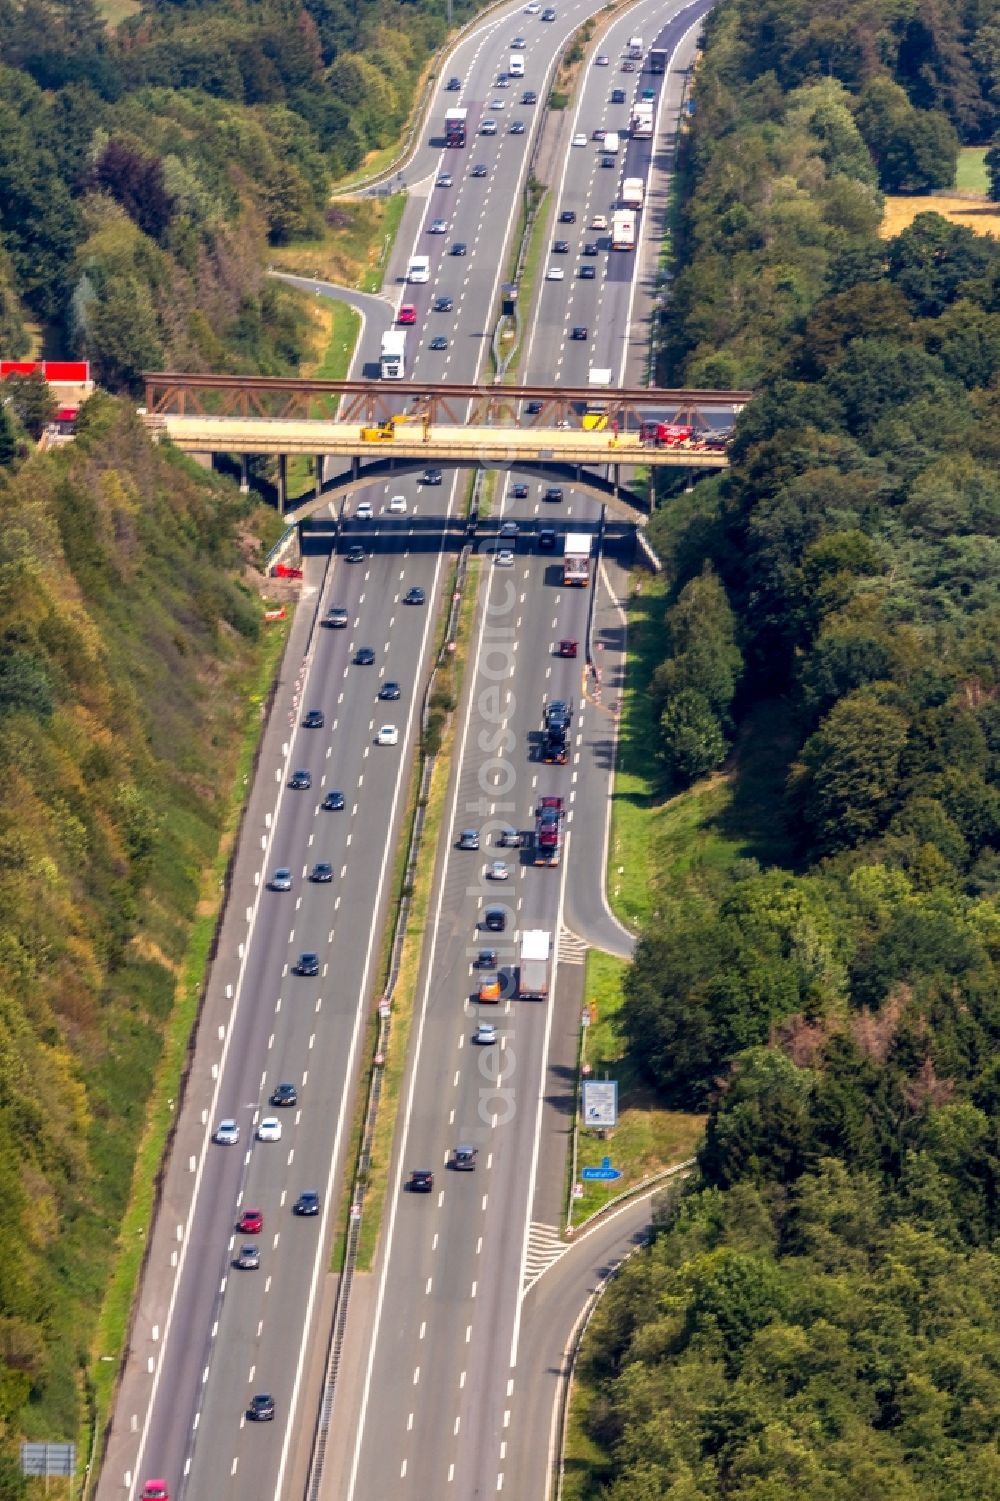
(603, 1174)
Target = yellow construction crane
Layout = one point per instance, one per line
(385, 432)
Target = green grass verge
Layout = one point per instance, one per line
(112, 1322)
(355, 249)
(374, 276)
(971, 175)
(647, 1136)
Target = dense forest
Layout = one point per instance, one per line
(818, 1315)
(145, 171)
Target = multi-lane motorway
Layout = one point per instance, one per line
(440, 1396)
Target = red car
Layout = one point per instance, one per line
(251, 1222)
(155, 1490)
(567, 649)
(407, 313)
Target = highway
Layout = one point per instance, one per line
(439, 1400)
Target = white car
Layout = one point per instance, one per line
(438, 227)
(269, 1129)
(602, 61)
(497, 103)
(504, 559)
(227, 1133)
(488, 128)
(532, 9)
(579, 139)
(397, 505)
(486, 1034)
(388, 735)
(554, 273)
(599, 221)
(497, 871)
(363, 510)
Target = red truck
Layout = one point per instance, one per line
(548, 831)
(666, 434)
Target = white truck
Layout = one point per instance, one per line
(599, 377)
(623, 229)
(633, 193)
(634, 48)
(419, 269)
(610, 143)
(535, 964)
(642, 120)
(576, 560)
(392, 361)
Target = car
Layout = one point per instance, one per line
(567, 216)
(497, 103)
(489, 989)
(485, 1034)
(322, 872)
(364, 657)
(284, 1095)
(553, 493)
(445, 180)
(558, 714)
(598, 134)
(300, 781)
(504, 558)
(468, 839)
(269, 1129)
(389, 690)
(443, 305)
(548, 14)
(261, 1409)
(497, 871)
(247, 1258)
(518, 44)
(227, 1133)
(554, 273)
(579, 139)
(546, 540)
(534, 407)
(519, 492)
(334, 802)
(307, 1203)
(587, 273)
(355, 554)
(486, 959)
(579, 332)
(307, 964)
(617, 96)
(155, 1490)
(529, 97)
(314, 719)
(628, 66)
(388, 735)
(599, 221)
(459, 248)
(407, 314)
(480, 170)
(566, 648)
(281, 880)
(414, 596)
(517, 127)
(431, 477)
(560, 247)
(463, 1159)
(602, 61)
(608, 160)
(363, 510)
(454, 86)
(397, 505)
(647, 95)
(438, 342)
(532, 9)
(509, 529)
(335, 618)
(509, 839)
(503, 82)
(590, 248)
(438, 227)
(495, 919)
(250, 1222)
(488, 128)
(421, 1181)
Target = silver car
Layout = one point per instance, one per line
(227, 1133)
(497, 871)
(281, 880)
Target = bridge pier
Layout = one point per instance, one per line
(282, 483)
(319, 475)
(244, 474)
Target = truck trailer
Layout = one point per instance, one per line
(392, 361)
(535, 964)
(623, 229)
(455, 126)
(576, 559)
(548, 831)
(633, 193)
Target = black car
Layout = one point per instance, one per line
(587, 273)
(479, 170)
(300, 781)
(421, 1181)
(568, 216)
(558, 714)
(308, 965)
(454, 85)
(608, 160)
(307, 1203)
(336, 618)
(364, 657)
(495, 919)
(443, 305)
(459, 248)
(579, 332)
(389, 690)
(261, 1409)
(322, 872)
(414, 596)
(554, 492)
(438, 342)
(519, 492)
(529, 97)
(314, 720)
(546, 540)
(590, 248)
(617, 96)
(517, 127)
(560, 247)
(284, 1095)
(355, 554)
(486, 959)
(431, 477)
(468, 839)
(533, 408)
(334, 802)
